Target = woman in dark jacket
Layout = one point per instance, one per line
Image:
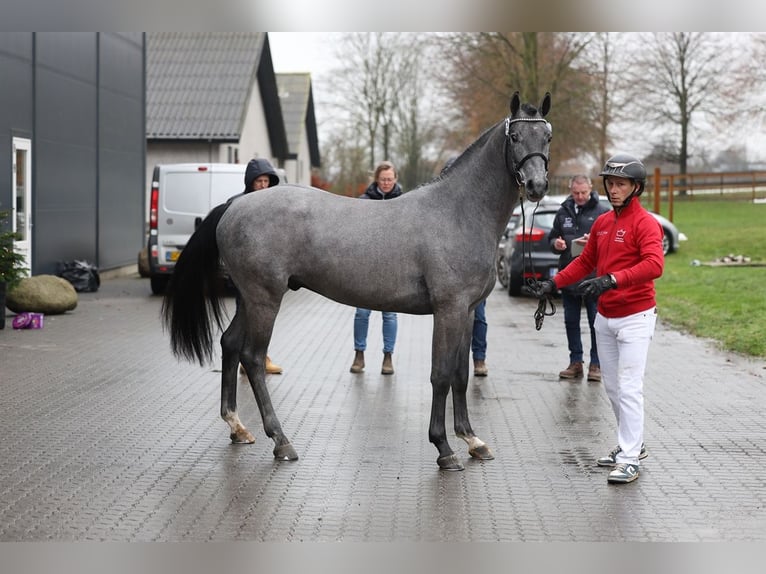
(384, 186)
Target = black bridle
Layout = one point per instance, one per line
(515, 168)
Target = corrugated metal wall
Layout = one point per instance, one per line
(80, 98)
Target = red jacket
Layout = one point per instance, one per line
(629, 246)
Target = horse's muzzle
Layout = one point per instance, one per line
(535, 189)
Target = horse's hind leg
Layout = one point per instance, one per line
(260, 323)
(450, 370)
(231, 342)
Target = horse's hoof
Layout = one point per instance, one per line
(449, 462)
(482, 452)
(285, 452)
(242, 436)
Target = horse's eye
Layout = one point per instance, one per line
(514, 137)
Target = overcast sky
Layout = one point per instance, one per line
(302, 52)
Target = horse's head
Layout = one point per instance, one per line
(528, 138)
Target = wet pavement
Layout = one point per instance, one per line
(107, 437)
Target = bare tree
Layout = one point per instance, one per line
(419, 124)
(345, 162)
(747, 92)
(605, 62)
(482, 70)
(683, 83)
(383, 93)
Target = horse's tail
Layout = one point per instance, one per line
(192, 295)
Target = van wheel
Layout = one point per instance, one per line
(159, 284)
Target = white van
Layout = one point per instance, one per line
(182, 194)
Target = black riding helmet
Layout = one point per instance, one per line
(627, 166)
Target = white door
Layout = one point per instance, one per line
(22, 201)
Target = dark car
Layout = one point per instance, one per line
(500, 265)
(530, 258)
(537, 261)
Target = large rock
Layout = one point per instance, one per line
(46, 294)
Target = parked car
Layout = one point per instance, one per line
(500, 265)
(535, 260)
(538, 261)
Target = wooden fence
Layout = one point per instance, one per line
(663, 188)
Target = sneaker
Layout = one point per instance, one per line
(623, 472)
(573, 371)
(611, 458)
(480, 368)
(594, 373)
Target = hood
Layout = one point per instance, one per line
(256, 167)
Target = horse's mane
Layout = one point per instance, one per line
(527, 108)
(466, 152)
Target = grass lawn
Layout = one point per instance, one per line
(727, 304)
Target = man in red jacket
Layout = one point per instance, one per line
(625, 249)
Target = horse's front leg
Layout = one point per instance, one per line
(230, 345)
(477, 448)
(449, 363)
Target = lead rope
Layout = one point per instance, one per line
(542, 306)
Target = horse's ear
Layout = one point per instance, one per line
(545, 107)
(515, 103)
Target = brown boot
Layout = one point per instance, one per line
(594, 373)
(479, 368)
(573, 371)
(388, 366)
(271, 368)
(358, 365)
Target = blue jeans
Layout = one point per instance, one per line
(362, 323)
(573, 304)
(479, 338)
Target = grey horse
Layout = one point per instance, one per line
(381, 255)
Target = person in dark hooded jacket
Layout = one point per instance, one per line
(260, 174)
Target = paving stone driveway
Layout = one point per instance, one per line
(107, 437)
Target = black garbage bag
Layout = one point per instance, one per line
(82, 275)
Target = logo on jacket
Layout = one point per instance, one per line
(620, 236)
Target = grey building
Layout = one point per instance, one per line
(213, 97)
(72, 145)
(297, 101)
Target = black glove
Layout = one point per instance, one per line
(540, 289)
(595, 287)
